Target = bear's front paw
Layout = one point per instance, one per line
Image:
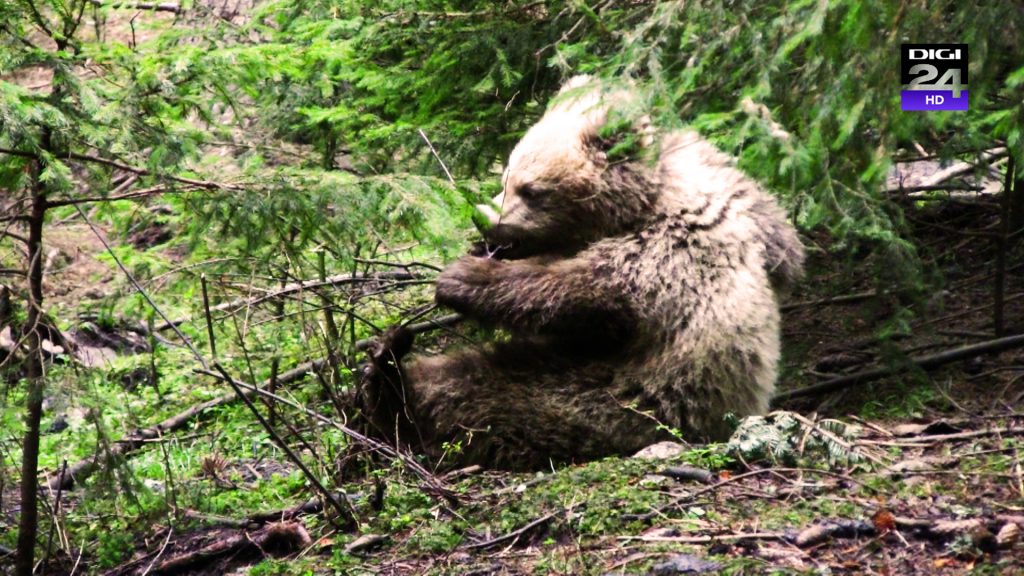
(462, 279)
(392, 345)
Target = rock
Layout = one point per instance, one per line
(6, 339)
(1008, 535)
(786, 556)
(154, 485)
(365, 543)
(654, 480)
(661, 451)
(686, 564)
(840, 528)
(921, 464)
(929, 429)
(59, 424)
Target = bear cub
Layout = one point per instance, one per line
(634, 293)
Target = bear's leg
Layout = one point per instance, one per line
(516, 406)
(381, 395)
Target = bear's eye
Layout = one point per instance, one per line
(530, 191)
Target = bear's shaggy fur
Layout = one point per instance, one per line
(633, 294)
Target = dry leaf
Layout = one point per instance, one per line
(1008, 535)
(883, 521)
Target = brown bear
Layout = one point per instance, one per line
(637, 297)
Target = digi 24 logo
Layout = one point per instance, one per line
(934, 77)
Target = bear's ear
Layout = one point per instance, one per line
(622, 137)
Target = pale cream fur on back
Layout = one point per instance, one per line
(696, 275)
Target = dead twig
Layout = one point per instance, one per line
(731, 537)
(311, 506)
(137, 286)
(54, 526)
(850, 448)
(84, 468)
(515, 534)
(346, 513)
(441, 162)
(844, 299)
(689, 473)
(967, 435)
(170, 532)
(833, 529)
(130, 443)
(732, 479)
(433, 485)
(420, 327)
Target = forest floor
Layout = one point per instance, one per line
(912, 473)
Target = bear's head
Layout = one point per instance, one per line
(576, 176)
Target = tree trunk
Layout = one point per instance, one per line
(1002, 245)
(1017, 201)
(29, 521)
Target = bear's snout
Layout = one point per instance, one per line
(492, 210)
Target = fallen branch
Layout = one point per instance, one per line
(974, 310)
(708, 539)
(941, 528)
(934, 438)
(927, 362)
(935, 188)
(936, 180)
(258, 519)
(278, 539)
(982, 530)
(934, 529)
(311, 506)
(845, 299)
(365, 543)
(689, 474)
(963, 167)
